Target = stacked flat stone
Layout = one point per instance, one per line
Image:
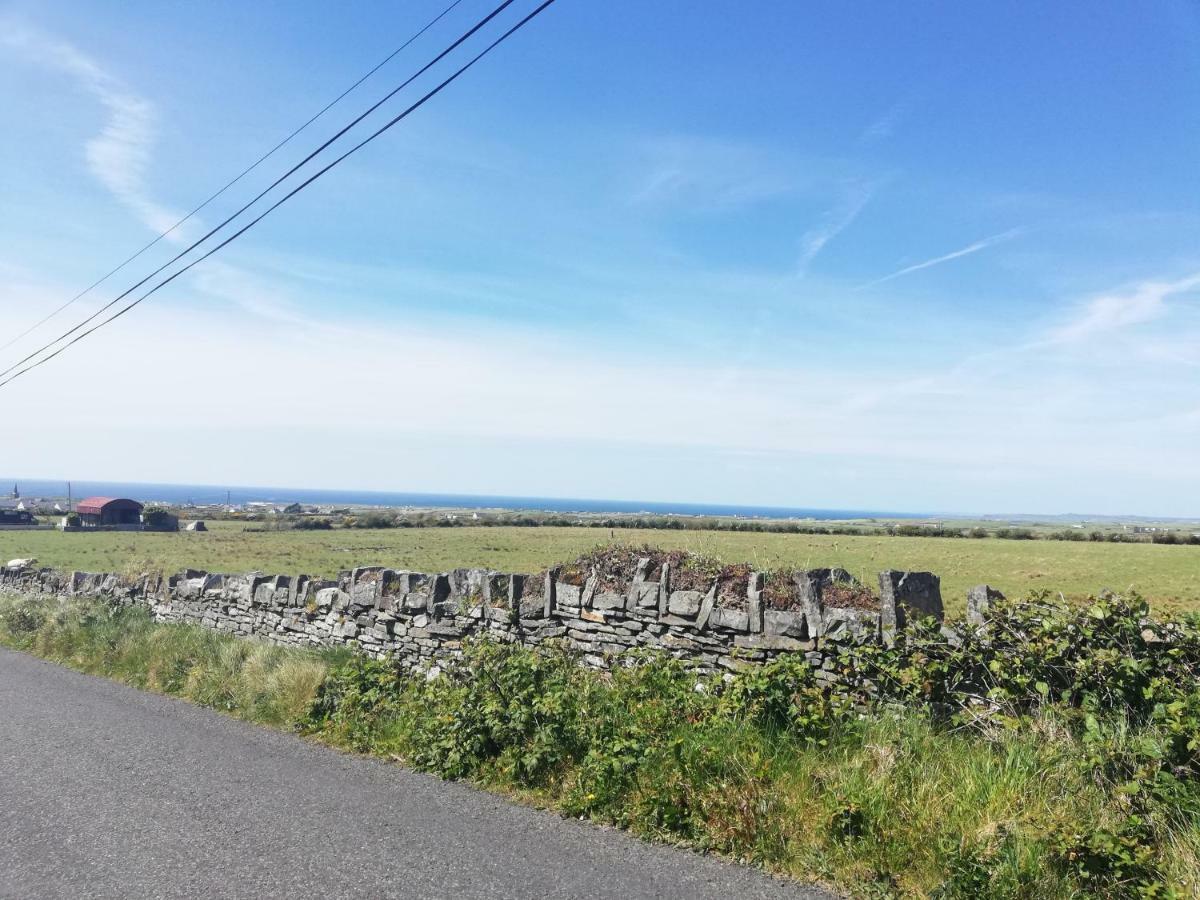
(420, 618)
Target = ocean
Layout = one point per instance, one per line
(207, 493)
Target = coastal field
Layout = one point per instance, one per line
(1168, 576)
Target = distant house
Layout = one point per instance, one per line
(11, 514)
(107, 512)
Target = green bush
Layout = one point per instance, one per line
(312, 523)
(1016, 534)
(158, 518)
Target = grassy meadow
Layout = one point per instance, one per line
(1168, 576)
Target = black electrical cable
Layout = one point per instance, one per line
(95, 284)
(288, 195)
(480, 24)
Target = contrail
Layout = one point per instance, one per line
(938, 260)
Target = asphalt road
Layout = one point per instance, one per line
(106, 791)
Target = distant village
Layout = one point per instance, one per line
(126, 514)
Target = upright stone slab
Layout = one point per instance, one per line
(548, 596)
(516, 590)
(754, 604)
(438, 601)
(905, 596)
(707, 606)
(979, 601)
(812, 585)
(590, 586)
(637, 588)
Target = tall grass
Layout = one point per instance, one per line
(256, 681)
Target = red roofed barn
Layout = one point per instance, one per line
(105, 511)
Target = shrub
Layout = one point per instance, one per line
(158, 518)
(312, 523)
(1068, 534)
(1015, 534)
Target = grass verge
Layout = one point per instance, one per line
(1061, 797)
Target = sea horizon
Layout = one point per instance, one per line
(206, 494)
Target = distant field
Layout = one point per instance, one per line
(1169, 576)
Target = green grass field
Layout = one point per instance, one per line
(1168, 576)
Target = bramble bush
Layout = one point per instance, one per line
(672, 754)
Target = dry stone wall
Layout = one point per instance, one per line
(420, 618)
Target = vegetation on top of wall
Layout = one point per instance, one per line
(613, 565)
(1054, 754)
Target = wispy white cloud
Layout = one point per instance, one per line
(120, 154)
(702, 174)
(1120, 310)
(884, 126)
(947, 257)
(836, 220)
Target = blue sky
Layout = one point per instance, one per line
(922, 257)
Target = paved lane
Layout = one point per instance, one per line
(106, 791)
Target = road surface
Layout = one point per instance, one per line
(106, 791)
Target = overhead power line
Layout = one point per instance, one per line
(403, 115)
(254, 165)
(186, 250)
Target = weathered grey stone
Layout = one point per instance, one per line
(645, 596)
(366, 573)
(468, 584)
(516, 589)
(791, 624)
(608, 600)
(677, 621)
(636, 588)
(754, 604)
(844, 624)
(729, 619)
(567, 594)
(363, 595)
(589, 590)
(770, 642)
(706, 607)
(908, 595)
(979, 601)
(685, 603)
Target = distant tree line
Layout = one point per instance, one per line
(385, 519)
